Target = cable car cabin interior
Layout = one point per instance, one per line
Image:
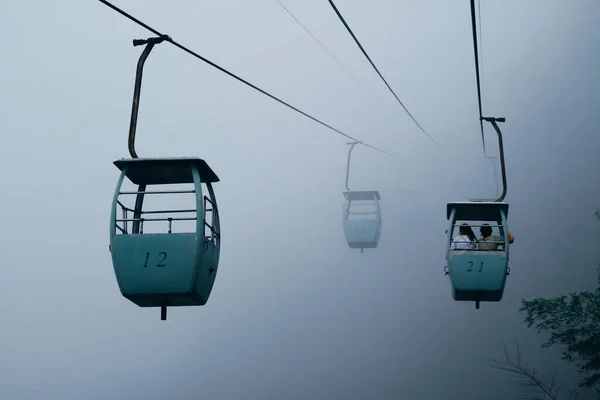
(478, 270)
(165, 232)
(362, 219)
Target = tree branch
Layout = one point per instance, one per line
(533, 384)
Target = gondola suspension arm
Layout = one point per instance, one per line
(352, 144)
(150, 42)
(501, 148)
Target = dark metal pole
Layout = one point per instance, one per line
(348, 163)
(138, 86)
(137, 213)
(501, 146)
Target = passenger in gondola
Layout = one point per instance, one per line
(492, 242)
(466, 239)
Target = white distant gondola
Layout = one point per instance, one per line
(362, 215)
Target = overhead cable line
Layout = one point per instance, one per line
(480, 52)
(490, 158)
(480, 31)
(495, 174)
(174, 43)
(319, 42)
(481, 65)
(376, 70)
(474, 25)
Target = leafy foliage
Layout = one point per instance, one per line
(573, 323)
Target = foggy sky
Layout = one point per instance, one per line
(294, 313)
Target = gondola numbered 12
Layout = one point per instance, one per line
(164, 268)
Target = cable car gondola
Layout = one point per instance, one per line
(166, 268)
(361, 215)
(479, 273)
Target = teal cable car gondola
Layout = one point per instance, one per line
(165, 268)
(361, 215)
(478, 271)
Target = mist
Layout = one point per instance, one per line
(294, 312)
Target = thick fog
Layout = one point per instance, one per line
(294, 312)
